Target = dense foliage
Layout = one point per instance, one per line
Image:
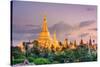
(38, 56)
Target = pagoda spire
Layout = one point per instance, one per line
(44, 26)
(44, 38)
(55, 41)
(81, 42)
(90, 41)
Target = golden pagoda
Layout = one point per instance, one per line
(44, 38)
(55, 42)
(21, 46)
(72, 45)
(65, 43)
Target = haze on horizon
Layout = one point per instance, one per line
(68, 20)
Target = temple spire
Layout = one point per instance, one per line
(90, 41)
(44, 37)
(44, 26)
(55, 39)
(81, 42)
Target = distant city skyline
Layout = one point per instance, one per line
(68, 20)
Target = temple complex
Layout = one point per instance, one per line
(46, 41)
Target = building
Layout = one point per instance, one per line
(44, 39)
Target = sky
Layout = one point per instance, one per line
(68, 20)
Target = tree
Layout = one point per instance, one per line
(39, 61)
(35, 49)
(16, 53)
(83, 53)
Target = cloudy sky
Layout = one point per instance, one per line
(69, 21)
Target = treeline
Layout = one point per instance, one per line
(37, 55)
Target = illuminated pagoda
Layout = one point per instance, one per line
(55, 42)
(44, 38)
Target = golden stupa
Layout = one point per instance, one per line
(55, 42)
(44, 38)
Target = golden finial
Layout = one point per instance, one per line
(45, 17)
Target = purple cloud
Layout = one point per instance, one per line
(86, 23)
